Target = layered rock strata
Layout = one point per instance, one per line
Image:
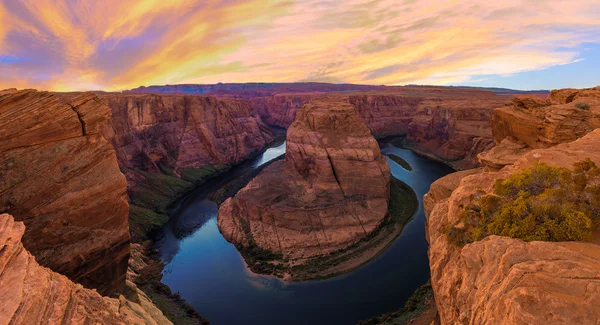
(331, 190)
(32, 294)
(505, 280)
(150, 132)
(534, 123)
(453, 131)
(61, 178)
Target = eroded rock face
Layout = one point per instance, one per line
(61, 178)
(386, 114)
(533, 123)
(280, 110)
(178, 131)
(331, 190)
(505, 280)
(32, 294)
(453, 131)
(547, 126)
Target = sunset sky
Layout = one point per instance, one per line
(119, 44)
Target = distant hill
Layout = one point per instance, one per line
(254, 89)
(505, 91)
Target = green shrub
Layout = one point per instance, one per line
(583, 106)
(539, 203)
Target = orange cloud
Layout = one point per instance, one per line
(114, 45)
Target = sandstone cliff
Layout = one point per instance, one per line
(386, 114)
(61, 178)
(150, 132)
(331, 190)
(502, 280)
(532, 123)
(280, 110)
(453, 130)
(32, 294)
(449, 125)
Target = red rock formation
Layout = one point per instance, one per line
(32, 294)
(532, 123)
(386, 114)
(502, 280)
(178, 131)
(453, 131)
(280, 110)
(331, 190)
(446, 124)
(61, 178)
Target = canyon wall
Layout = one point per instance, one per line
(386, 114)
(453, 130)
(60, 177)
(151, 132)
(448, 125)
(506, 280)
(280, 110)
(32, 294)
(451, 125)
(331, 190)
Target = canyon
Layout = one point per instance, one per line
(113, 164)
(331, 190)
(451, 125)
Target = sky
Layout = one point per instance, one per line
(121, 44)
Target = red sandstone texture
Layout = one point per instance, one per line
(533, 123)
(61, 178)
(32, 294)
(331, 190)
(176, 131)
(451, 125)
(453, 130)
(502, 280)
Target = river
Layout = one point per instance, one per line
(209, 273)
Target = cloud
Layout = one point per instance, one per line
(121, 44)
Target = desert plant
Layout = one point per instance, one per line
(583, 106)
(539, 203)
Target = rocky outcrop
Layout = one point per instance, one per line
(154, 132)
(535, 123)
(32, 294)
(61, 178)
(453, 131)
(505, 280)
(331, 190)
(565, 96)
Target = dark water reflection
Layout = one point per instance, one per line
(209, 273)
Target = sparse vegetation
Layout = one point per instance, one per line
(417, 304)
(400, 161)
(150, 199)
(582, 106)
(539, 203)
(402, 206)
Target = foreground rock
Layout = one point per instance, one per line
(61, 178)
(32, 294)
(331, 190)
(505, 280)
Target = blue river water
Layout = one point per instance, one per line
(209, 273)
